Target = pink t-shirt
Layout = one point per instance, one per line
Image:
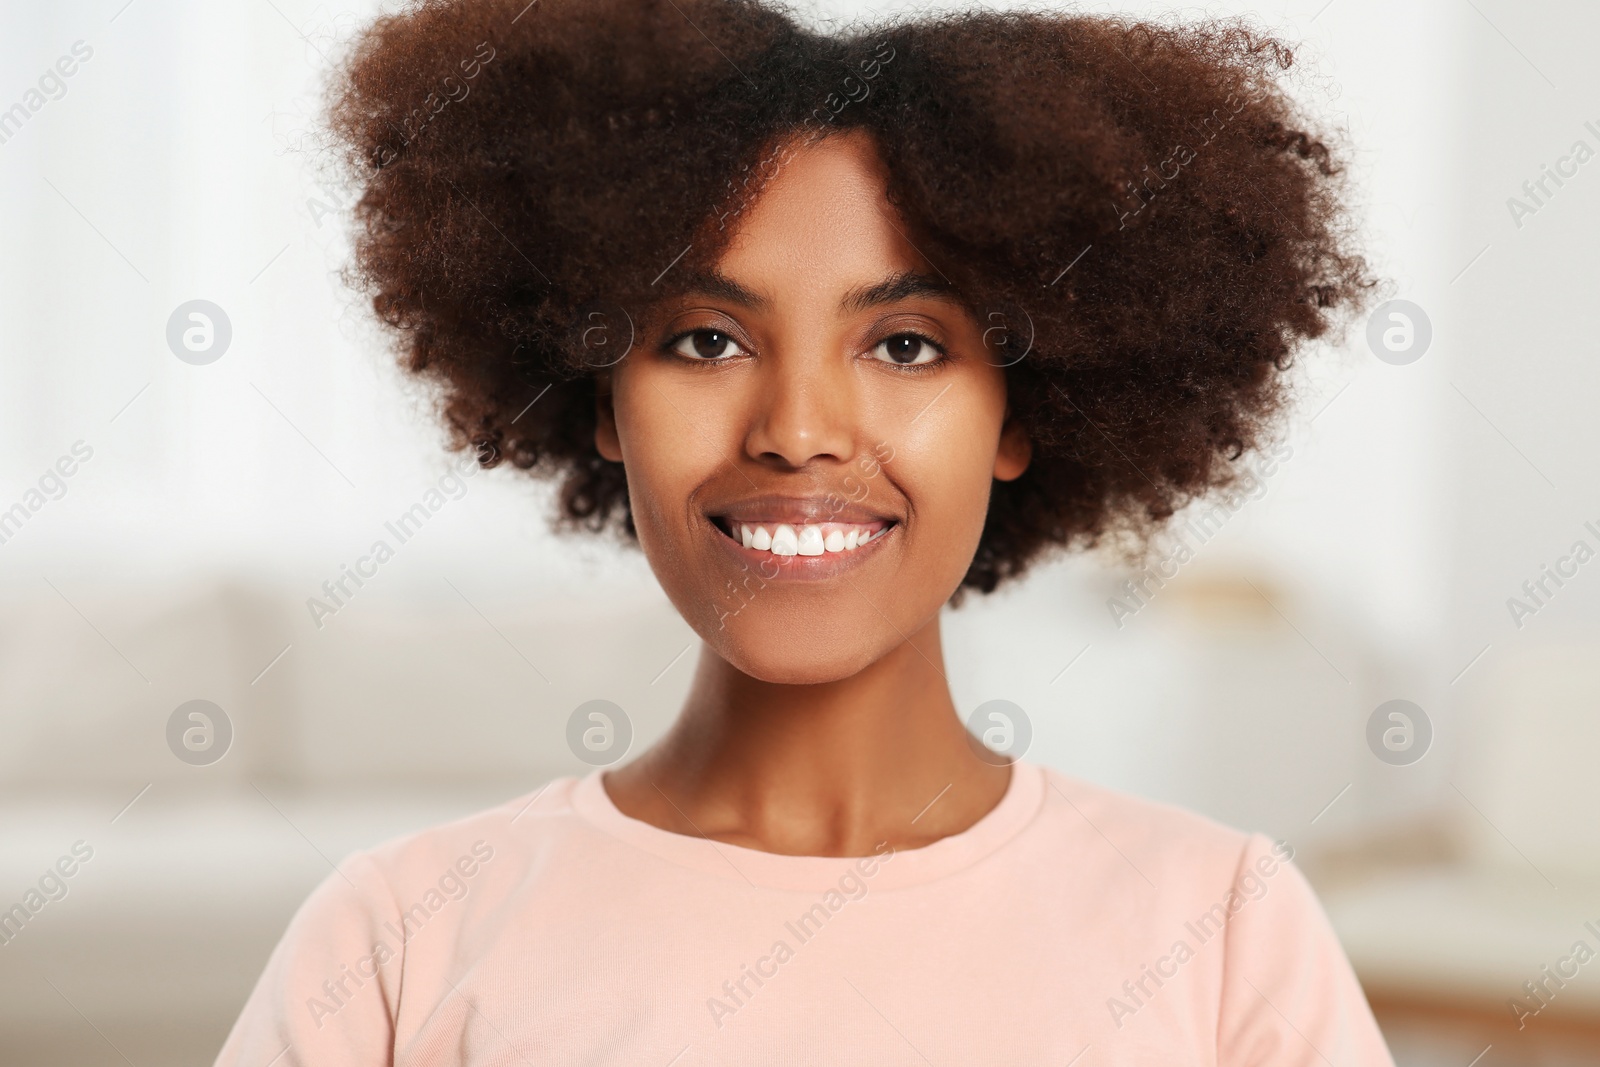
(1070, 925)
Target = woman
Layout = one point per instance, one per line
(834, 328)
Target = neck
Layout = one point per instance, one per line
(827, 769)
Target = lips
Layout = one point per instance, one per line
(787, 527)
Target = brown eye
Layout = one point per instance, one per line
(906, 350)
(706, 345)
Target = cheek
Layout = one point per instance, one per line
(672, 440)
(945, 467)
(945, 458)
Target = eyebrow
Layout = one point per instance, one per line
(714, 283)
(901, 285)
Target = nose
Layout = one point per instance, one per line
(804, 410)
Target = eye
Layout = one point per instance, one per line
(705, 346)
(907, 350)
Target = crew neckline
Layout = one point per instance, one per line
(771, 870)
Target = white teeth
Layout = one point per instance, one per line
(784, 540)
(809, 539)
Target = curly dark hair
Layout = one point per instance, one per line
(1139, 204)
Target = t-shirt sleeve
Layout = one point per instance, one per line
(1289, 995)
(330, 988)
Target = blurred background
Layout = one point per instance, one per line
(164, 521)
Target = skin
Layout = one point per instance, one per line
(820, 720)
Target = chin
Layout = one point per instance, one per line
(783, 655)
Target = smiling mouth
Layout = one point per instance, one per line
(802, 539)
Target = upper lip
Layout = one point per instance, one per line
(797, 510)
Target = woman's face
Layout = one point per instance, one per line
(810, 434)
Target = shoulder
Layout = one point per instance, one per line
(477, 855)
(1182, 888)
(354, 940)
(451, 876)
(467, 848)
(1166, 844)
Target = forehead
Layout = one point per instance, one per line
(822, 225)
